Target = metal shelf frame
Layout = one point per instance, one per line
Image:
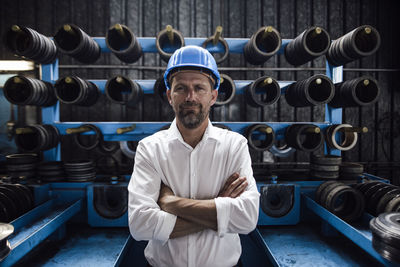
(51, 115)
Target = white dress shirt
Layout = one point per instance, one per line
(196, 173)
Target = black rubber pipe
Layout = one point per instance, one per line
(73, 41)
(123, 43)
(28, 43)
(76, 91)
(360, 42)
(20, 90)
(316, 90)
(310, 44)
(123, 90)
(263, 44)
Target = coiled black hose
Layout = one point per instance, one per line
(226, 91)
(342, 200)
(35, 138)
(262, 45)
(28, 43)
(310, 44)
(74, 90)
(72, 40)
(316, 90)
(360, 42)
(210, 42)
(304, 137)
(167, 41)
(160, 89)
(357, 92)
(262, 92)
(265, 139)
(91, 141)
(123, 90)
(123, 43)
(20, 90)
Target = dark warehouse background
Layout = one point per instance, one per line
(378, 148)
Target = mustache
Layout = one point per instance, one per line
(190, 104)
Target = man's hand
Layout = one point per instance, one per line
(165, 197)
(234, 186)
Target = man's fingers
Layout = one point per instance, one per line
(234, 185)
(239, 189)
(229, 181)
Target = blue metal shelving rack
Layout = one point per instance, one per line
(51, 115)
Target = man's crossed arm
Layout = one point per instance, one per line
(196, 215)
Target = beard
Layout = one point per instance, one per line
(191, 119)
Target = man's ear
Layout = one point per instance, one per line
(168, 92)
(214, 94)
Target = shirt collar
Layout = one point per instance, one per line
(211, 132)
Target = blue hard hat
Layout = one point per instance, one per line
(192, 57)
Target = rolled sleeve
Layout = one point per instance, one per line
(223, 206)
(240, 214)
(164, 227)
(146, 220)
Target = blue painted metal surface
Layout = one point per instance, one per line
(148, 45)
(37, 227)
(84, 246)
(144, 129)
(148, 85)
(361, 238)
(302, 245)
(333, 115)
(292, 218)
(95, 220)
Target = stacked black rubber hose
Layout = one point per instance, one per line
(310, 44)
(20, 90)
(260, 137)
(316, 90)
(73, 41)
(342, 200)
(380, 197)
(80, 170)
(262, 92)
(304, 137)
(123, 43)
(226, 91)
(262, 45)
(160, 90)
(21, 167)
(15, 200)
(360, 42)
(123, 90)
(36, 138)
(50, 171)
(357, 92)
(76, 91)
(325, 166)
(28, 43)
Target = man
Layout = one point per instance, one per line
(192, 189)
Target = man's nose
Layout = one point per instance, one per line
(190, 96)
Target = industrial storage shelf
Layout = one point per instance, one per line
(51, 115)
(144, 129)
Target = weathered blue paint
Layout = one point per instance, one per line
(362, 237)
(37, 228)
